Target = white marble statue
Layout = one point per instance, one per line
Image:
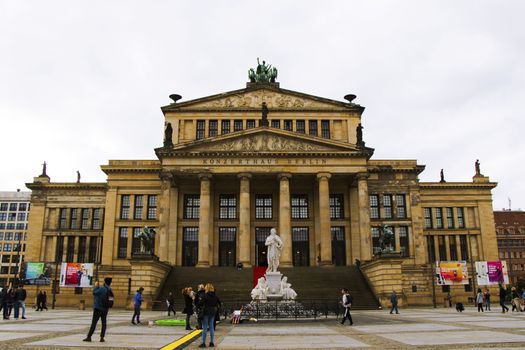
(286, 290)
(261, 290)
(275, 246)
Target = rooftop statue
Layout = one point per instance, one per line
(264, 73)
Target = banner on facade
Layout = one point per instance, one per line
(451, 272)
(491, 273)
(36, 273)
(76, 275)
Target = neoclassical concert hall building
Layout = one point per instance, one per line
(233, 165)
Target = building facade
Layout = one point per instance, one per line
(510, 232)
(236, 164)
(14, 218)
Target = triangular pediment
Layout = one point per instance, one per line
(267, 140)
(252, 98)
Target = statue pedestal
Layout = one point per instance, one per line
(273, 280)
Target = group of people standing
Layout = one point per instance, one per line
(483, 300)
(13, 298)
(205, 304)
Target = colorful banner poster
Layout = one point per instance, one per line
(491, 273)
(451, 272)
(37, 273)
(76, 275)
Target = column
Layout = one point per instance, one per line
(324, 219)
(364, 217)
(285, 230)
(204, 221)
(110, 213)
(244, 220)
(164, 215)
(447, 247)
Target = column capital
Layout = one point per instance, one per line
(242, 176)
(168, 179)
(284, 176)
(321, 176)
(204, 176)
(362, 176)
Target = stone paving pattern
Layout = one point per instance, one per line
(413, 328)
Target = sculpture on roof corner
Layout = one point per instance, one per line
(264, 73)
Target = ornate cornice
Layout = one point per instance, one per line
(67, 186)
(392, 169)
(456, 185)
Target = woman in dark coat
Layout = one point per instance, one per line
(188, 305)
(210, 304)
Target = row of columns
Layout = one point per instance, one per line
(205, 219)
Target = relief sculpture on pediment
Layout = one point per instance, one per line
(265, 143)
(255, 99)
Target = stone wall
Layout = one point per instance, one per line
(149, 274)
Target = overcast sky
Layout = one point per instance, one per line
(443, 82)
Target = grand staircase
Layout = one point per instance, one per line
(309, 283)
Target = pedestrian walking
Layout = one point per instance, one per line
(39, 298)
(44, 301)
(210, 303)
(8, 303)
(502, 297)
(198, 305)
(523, 300)
(515, 299)
(170, 303)
(448, 298)
(393, 300)
(188, 305)
(487, 299)
(137, 303)
(3, 302)
(20, 302)
(346, 301)
(479, 300)
(102, 302)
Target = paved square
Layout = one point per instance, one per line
(453, 337)
(289, 342)
(419, 327)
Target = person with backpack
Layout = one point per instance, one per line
(346, 301)
(209, 303)
(137, 302)
(102, 301)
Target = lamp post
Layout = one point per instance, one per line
(55, 282)
(17, 274)
(472, 264)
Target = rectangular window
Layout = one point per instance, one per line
(376, 248)
(21, 217)
(250, 124)
(11, 217)
(152, 207)
(96, 219)
(450, 217)
(10, 226)
(122, 243)
(237, 125)
(139, 204)
(93, 247)
(276, 123)
(428, 217)
(63, 218)
(431, 249)
(20, 226)
(439, 218)
(13, 206)
(461, 218)
(442, 248)
(84, 225)
(22, 207)
(288, 125)
(73, 219)
(387, 206)
(404, 246)
(8, 236)
(463, 247)
(374, 206)
(312, 127)
(263, 206)
(468, 287)
(135, 244)
(212, 128)
(299, 206)
(336, 206)
(81, 257)
(191, 206)
(452, 248)
(3, 216)
(70, 252)
(3, 207)
(124, 206)
(300, 126)
(201, 126)
(401, 208)
(325, 129)
(59, 249)
(225, 127)
(227, 206)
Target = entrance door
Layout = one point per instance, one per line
(227, 246)
(260, 249)
(190, 246)
(300, 246)
(338, 246)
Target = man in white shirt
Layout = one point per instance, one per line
(346, 301)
